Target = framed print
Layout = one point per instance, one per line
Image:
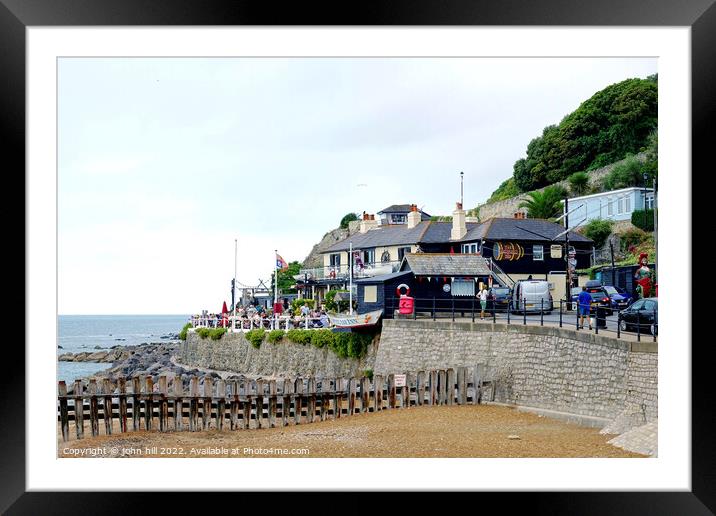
(250, 171)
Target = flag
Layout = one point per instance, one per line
(281, 263)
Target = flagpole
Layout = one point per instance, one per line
(236, 247)
(350, 280)
(275, 285)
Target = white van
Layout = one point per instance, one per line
(532, 296)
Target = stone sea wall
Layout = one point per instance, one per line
(542, 367)
(285, 358)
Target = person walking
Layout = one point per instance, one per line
(483, 302)
(584, 301)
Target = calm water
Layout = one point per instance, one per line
(84, 332)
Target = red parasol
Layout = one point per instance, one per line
(452, 250)
(224, 309)
(224, 319)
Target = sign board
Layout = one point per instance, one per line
(399, 380)
(555, 251)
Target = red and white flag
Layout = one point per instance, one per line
(281, 263)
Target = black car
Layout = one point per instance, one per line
(500, 298)
(644, 312)
(600, 298)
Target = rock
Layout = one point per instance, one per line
(67, 357)
(97, 357)
(60, 347)
(98, 347)
(513, 437)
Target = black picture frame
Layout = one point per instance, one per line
(17, 15)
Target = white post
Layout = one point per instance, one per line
(275, 285)
(350, 279)
(233, 293)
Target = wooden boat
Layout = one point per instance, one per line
(355, 320)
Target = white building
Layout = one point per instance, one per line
(613, 205)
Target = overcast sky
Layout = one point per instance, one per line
(164, 162)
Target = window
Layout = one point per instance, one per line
(399, 219)
(469, 248)
(620, 205)
(463, 287)
(336, 260)
(627, 205)
(649, 202)
(370, 294)
(537, 253)
(610, 210)
(369, 256)
(402, 251)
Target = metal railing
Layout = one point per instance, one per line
(341, 272)
(245, 324)
(521, 312)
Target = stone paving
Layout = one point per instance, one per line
(643, 439)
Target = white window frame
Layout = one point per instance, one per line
(627, 204)
(535, 254)
(649, 202)
(610, 208)
(620, 205)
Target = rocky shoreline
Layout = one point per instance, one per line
(151, 359)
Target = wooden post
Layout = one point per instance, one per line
(462, 385)
(450, 386)
(392, 401)
(259, 401)
(178, 405)
(272, 404)
(136, 396)
(420, 387)
(220, 404)
(405, 393)
(194, 404)
(148, 399)
(351, 396)
(477, 376)
(325, 388)
(364, 395)
(163, 404)
(79, 410)
(337, 398)
(286, 402)
(206, 409)
(107, 406)
(94, 416)
(378, 392)
(122, 384)
(311, 409)
(442, 390)
(246, 412)
(298, 393)
(433, 387)
(64, 414)
(234, 405)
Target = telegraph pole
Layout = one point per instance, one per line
(461, 181)
(568, 277)
(656, 246)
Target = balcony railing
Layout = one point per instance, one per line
(341, 272)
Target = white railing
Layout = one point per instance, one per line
(245, 324)
(341, 271)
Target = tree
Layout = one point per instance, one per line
(606, 127)
(579, 183)
(598, 230)
(628, 173)
(286, 283)
(544, 204)
(350, 217)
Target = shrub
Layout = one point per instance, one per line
(632, 238)
(322, 338)
(203, 332)
(598, 230)
(579, 183)
(299, 336)
(368, 373)
(275, 336)
(349, 217)
(182, 333)
(625, 174)
(296, 305)
(216, 333)
(335, 306)
(255, 337)
(643, 219)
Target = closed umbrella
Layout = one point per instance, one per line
(224, 318)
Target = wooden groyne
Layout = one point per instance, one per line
(137, 404)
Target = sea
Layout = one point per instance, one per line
(79, 333)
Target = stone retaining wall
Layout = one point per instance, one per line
(543, 367)
(285, 358)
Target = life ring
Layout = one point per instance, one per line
(332, 274)
(407, 289)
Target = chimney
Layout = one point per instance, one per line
(459, 229)
(367, 223)
(519, 214)
(413, 216)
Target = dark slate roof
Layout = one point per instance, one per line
(394, 234)
(440, 231)
(445, 264)
(383, 277)
(402, 208)
(520, 229)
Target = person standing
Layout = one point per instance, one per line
(584, 301)
(483, 301)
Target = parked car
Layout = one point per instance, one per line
(600, 297)
(620, 298)
(531, 296)
(644, 312)
(500, 298)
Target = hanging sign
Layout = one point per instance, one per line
(555, 251)
(508, 251)
(399, 380)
